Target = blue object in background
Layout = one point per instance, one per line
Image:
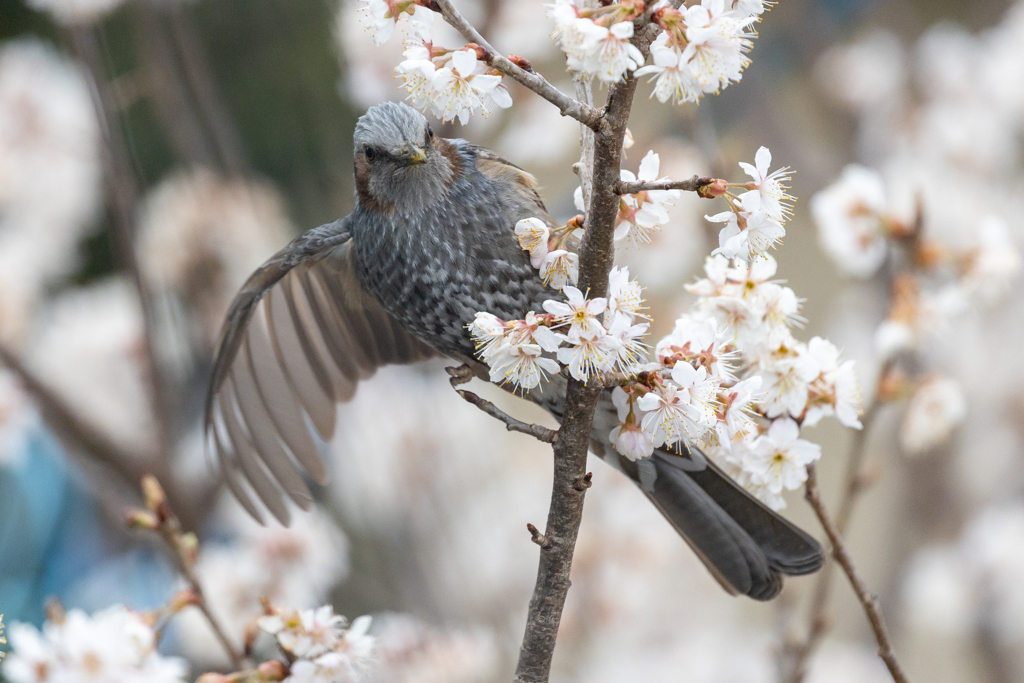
(54, 542)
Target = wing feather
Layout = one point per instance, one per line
(283, 365)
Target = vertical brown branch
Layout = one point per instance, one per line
(867, 600)
(123, 194)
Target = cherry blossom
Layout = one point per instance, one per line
(674, 80)
(560, 268)
(769, 193)
(533, 235)
(778, 460)
(934, 411)
(578, 312)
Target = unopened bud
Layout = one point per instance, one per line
(189, 545)
(213, 678)
(481, 53)
(55, 611)
(141, 519)
(522, 62)
(273, 670)
(430, 5)
(183, 599)
(716, 188)
(576, 222)
(156, 499)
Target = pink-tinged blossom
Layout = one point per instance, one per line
(934, 411)
(307, 633)
(381, 16)
(533, 235)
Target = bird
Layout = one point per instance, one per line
(429, 243)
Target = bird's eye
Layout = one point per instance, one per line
(368, 151)
(430, 132)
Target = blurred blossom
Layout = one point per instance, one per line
(297, 566)
(321, 646)
(850, 215)
(89, 347)
(866, 73)
(201, 236)
(115, 645)
(538, 134)
(410, 651)
(935, 409)
(73, 12)
(49, 175)
(955, 588)
(937, 593)
(847, 663)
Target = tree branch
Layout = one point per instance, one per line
(70, 427)
(584, 113)
(694, 184)
(867, 600)
(538, 432)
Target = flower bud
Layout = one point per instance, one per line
(156, 499)
(522, 62)
(141, 519)
(189, 545)
(181, 600)
(274, 670)
(716, 188)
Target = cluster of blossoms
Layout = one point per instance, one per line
(320, 645)
(642, 213)
(701, 48)
(590, 337)
(115, 645)
(731, 378)
(447, 83)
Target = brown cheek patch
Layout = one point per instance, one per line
(452, 155)
(367, 200)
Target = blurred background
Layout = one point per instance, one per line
(154, 152)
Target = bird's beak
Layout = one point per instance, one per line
(415, 154)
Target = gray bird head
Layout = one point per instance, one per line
(399, 164)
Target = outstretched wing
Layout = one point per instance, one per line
(298, 338)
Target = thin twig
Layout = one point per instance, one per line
(538, 432)
(123, 193)
(69, 426)
(694, 184)
(167, 525)
(796, 654)
(867, 600)
(568, 106)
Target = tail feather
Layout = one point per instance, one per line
(746, 546)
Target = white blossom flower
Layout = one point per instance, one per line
(625, 296)
(628, 437)
(489, 333)
(630, 352)
(462, 87)
(529, 330)
(522, 365)
(307, 633)
(381, 16)
(701, 341)
(643, 212)
(347, 662)
(769, 194)
(560, 268)
(836, 390)
(787, 377)
(778, 460)
(533, 235)
(934, 411)
(668, 414)
(716, 43)
(736, 417)
(849, 215)
(578, 312)
(589, 353)
(703, 389)
(674, 80)
(604, 52)
(746, 235)
(114, 645)
(417, 73)
(994, 263)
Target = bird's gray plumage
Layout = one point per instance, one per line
(430, 243)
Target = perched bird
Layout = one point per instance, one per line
(429, 243)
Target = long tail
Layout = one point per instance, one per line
(745, 545)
